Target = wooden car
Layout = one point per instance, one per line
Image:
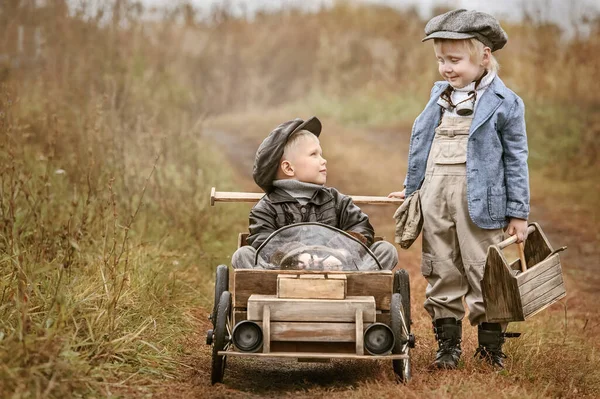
(324, 297)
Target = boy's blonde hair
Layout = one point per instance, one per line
(475, 49)
(293, 141)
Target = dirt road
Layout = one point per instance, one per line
(371, 162)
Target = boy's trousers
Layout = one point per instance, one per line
(454, 248)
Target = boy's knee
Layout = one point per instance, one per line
(386, 253)
(243, 257)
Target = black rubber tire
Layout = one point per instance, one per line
(221, 285)
(399, 325)
(221, 337)
(402, 287)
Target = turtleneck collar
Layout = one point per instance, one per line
(300, 190)
(485, 82)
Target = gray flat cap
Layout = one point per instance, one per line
(463, 24)
(270, 151)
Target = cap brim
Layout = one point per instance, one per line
(313, 125)
(448, 35)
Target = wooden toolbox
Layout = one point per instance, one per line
(518, 290)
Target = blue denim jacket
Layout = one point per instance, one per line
(497, 174)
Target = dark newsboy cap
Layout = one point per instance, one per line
(270, 151)
(463, 24)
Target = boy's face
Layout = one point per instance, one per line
(455, 65)
(306, 162)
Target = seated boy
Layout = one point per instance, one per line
(290, 168)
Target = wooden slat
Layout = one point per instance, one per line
(383, 317)
(264, 282)
(531, 287)
(537, 246)
(359, 333)
(532, 312)
(315, 286)
(321, 355)
(314, 332)
(319, 310)
(242, 240)
(544, 300)
(313, 347)
(239, 315)
(501, 295)
(538, 270)
(536, 290)
(379, 285)
(266, 319)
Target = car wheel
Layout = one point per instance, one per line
(221, 337)
(221, 285)
(402, 345)
(402, 287)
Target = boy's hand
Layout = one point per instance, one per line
(398, 194)
(518, 227)
(358, 236)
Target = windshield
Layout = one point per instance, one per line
(314, 246)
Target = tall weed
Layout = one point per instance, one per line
(107, 242)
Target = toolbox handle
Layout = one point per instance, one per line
(511, 240)
(522, 257)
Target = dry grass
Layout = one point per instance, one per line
(107, 242)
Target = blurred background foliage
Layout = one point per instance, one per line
(107, 244)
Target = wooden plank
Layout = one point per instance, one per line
(314, 332)
(534, 287)
(321, 355)
(501, 296)
(266, 313)
(320, 310)
(535, 271)
(537, 246)
(545, 300)
(264, 282)
(316, 347)
(383, 317)
(315, 286)
(540, 290)
(359, 333)
(337, 277)
(233, 196)
(242, 240)
(551, 302)
(378, 285)
(239, 315)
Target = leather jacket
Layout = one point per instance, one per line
(328, 206)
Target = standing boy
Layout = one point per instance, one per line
(468, 159)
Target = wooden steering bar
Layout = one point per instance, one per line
(233, 196)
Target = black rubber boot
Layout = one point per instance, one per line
(448, 332)
(491, 338)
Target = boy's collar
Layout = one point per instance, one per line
(320, 197)
(497, 86)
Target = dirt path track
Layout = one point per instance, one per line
(377, 173)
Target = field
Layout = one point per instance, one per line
(112, 136)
